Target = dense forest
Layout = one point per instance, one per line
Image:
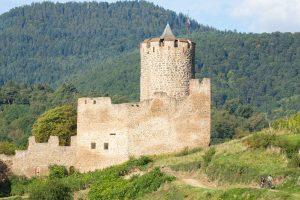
(52, 53)
(45, 43)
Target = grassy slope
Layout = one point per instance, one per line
(233, 173)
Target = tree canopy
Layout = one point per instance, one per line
(59, 121)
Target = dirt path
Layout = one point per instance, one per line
(191, 178)
(201, 180)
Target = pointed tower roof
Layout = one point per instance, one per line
(168, 33)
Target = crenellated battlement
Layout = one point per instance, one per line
(52, 142)
(200, 87)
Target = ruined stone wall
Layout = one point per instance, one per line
(166, 67)
(39, 156)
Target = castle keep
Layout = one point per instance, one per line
(173, 113)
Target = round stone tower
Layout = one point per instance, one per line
(167, 65)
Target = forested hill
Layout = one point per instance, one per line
(45, 42)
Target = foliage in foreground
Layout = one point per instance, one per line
(52, 189)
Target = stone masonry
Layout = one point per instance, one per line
(173, 113)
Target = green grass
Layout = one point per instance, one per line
(246, 166)
(190, 166)
(178, 192)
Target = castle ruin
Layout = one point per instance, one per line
(174, 112)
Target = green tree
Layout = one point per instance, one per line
(60, 121)
(57, 171)
(7, 148)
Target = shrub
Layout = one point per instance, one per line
(207, 157)
(142, 161)
(60, 121)
(7, 148)
(289, 143)
(295, 161)
(148, 183)
(260, 140)
(19, 185)
(50, 190)
(292, 123)
(56, 171)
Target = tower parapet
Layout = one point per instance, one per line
(167, 65)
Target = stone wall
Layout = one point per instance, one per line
(159, 125)
(166, 68)
(36, 159)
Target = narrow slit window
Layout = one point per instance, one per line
(93, 145)
(176, 43)
(105, 146)
(161, 43)
(113, 134)
(153, 49)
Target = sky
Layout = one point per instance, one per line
(241, 15)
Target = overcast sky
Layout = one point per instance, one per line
(242, 15)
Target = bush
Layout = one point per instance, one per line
(207, 157)
(292, 123)
(50, 190)
(19, 185)
(260, 140)
(60, 121)
(295, 161)
(7, 148)
(290, 144)
(56, 171)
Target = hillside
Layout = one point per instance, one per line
(231, 170)
(47, 42)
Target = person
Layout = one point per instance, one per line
(262, 182)
(270, 180)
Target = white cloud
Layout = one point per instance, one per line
(268, 15)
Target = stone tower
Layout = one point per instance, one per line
(167, 65)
